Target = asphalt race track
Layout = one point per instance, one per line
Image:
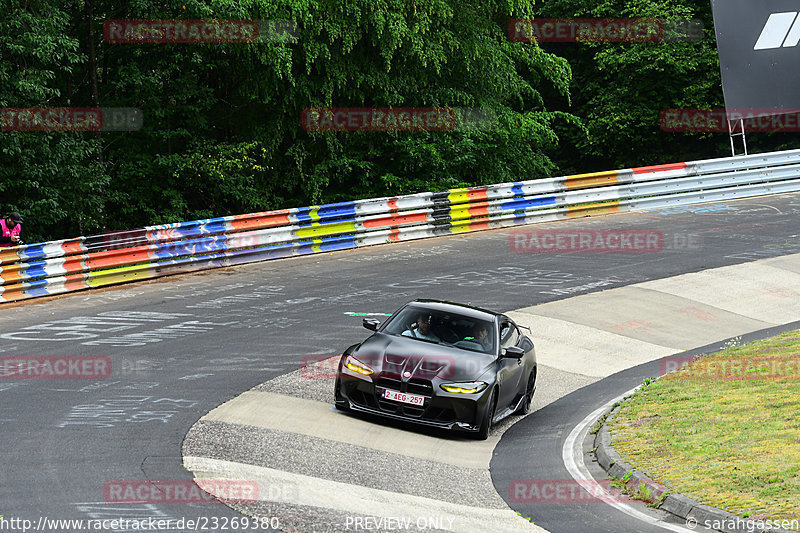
(544, 433)
(182, 346)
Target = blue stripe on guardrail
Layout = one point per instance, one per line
(196, 246)
(38, 288)
(35, 270)
(35, 251)
(215, 225)
(515, 205)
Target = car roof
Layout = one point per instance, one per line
(453, 307)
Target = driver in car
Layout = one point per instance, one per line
(422, 329)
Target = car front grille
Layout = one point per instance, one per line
(420, 386)
(414, 386)
(389, 383)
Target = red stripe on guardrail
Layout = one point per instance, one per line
(659, 168)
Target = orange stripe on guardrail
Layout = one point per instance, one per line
(74, 264)
(14, 292)
(8, 256)
(75, 282)
(115, 258)
(468, 211)
(475, 226)
(592, 209)
(72, 247)
(11, 274)
(478, 194)
(267, 220)
(593, 179)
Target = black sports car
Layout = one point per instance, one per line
(440, 364)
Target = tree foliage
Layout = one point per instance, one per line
(222, 131)
(620, 88)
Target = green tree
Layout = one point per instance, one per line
(52, 178)
(222, 131)
(620, 88)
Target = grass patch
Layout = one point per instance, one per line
(725, 429)
(602, 420)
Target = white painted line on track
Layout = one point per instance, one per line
(572, 454)
(577, 336)
(278, 486)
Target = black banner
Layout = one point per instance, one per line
(759, 54)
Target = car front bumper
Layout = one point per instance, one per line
(441, 409)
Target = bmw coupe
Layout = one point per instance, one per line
(440, 364)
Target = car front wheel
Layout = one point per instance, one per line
(486, 424)
(525, 408)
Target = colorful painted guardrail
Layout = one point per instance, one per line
(86, 262)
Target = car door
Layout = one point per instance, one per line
(510, 370)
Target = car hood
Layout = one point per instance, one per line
(405, 358)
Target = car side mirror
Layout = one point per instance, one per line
(371, 324)
(513, 352)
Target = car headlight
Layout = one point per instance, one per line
(357, 366)
(471, 387)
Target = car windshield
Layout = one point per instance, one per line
(448, 329)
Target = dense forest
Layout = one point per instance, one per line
(221, 130)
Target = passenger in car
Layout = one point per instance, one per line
(481, 333)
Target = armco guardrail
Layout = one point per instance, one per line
(86, 262)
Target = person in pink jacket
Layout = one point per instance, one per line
(11, 228)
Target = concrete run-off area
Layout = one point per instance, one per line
(335, 468)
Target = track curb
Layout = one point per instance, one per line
(674, 503)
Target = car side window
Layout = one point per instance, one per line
(509, 335)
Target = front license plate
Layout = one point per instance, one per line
(404, 397)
